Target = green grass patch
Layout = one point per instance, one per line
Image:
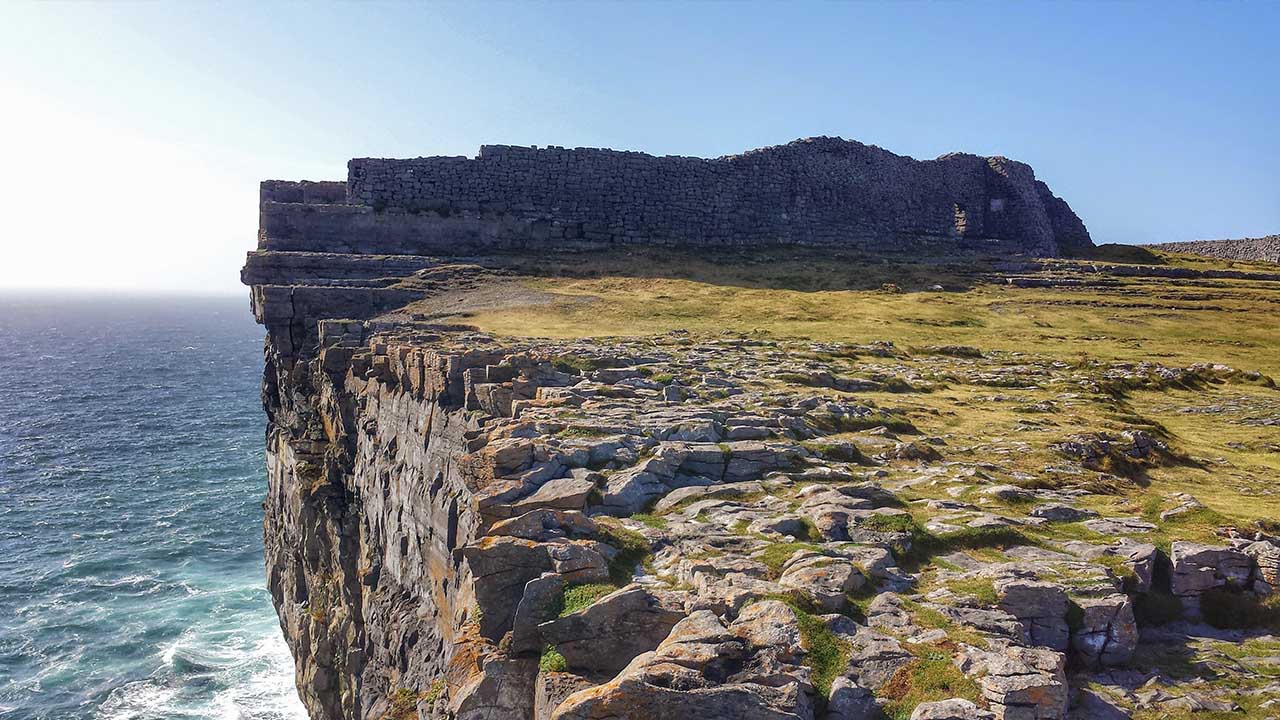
(404, 705)
(811, 532)
(928, 678)
(832, 423)
(632, 547)
(979, 588)
(581, 597)
(435, 691)
(552, 661)
(890, 524)
(582, 432)
(826, 655)
(777, 554)
(925, 545)
(656, 522)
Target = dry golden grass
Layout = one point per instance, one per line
(1176, 323)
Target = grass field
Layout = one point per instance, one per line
(1048, 353)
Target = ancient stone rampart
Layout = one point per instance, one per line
(1263, 249)
(817, 192)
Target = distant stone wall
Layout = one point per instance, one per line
(820, 191)
(1263, 249)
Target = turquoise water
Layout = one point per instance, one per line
(131, 483)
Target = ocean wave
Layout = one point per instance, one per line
(133, 585)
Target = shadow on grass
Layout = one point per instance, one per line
(796, 269)
(922, 545)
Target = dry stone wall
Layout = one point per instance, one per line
(1263, 249)
(818, 191)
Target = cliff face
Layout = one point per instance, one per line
(459, 526)
(366, 505)
(471, 527)
(824, 192)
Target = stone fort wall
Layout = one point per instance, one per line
(819, 191)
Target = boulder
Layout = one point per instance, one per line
(1141, 559)
(825, 580)
(1107, 633)
(849, 701)
(551, 688)
(1197, 568)
(707, 670)
(702, 492)
(500, 568)
(875, 658)
(1007, 493)
(1185, 504)
(1041, 607)
(1019, 683)
(1119, 526)
(545, 524)
(616, 628)
(538, 604)
(502, 690)
(992, 621)
(568, 493)
(953, 709)
(1056, 512)
(1266, 556)
(628, 491)
(791, 525)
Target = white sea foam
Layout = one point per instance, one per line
(268, 692)
(131, 587)
(141, 700)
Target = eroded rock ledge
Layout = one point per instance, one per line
(468, 527)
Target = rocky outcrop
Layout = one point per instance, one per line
(1197, 568)
(1021, 683)
(459, 525)
(747, 669)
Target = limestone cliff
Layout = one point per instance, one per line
(466, 526)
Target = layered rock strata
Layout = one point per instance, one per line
(459, 525)
(462, 526)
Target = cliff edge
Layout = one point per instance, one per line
(806, 484)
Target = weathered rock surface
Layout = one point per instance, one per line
(954, 709)
(465, 526)
(1107, 633)
(1021, 683)
(1197, 568)
(604, 637)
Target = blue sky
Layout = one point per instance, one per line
(135, 134)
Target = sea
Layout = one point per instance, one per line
(131, 487)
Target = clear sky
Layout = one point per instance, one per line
(134, 134)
